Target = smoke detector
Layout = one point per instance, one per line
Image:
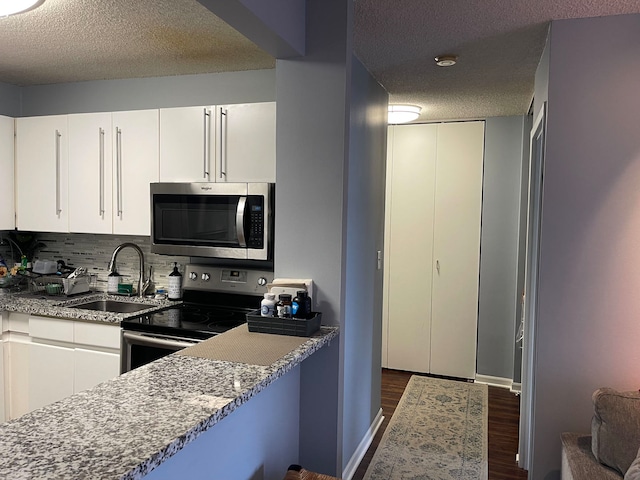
(446, 60)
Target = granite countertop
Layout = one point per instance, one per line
(112, 431)
(58, 306)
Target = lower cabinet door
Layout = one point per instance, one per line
(2, 409)
(50, 374)
(92, 367)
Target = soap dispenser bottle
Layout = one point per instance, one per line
(175, 283)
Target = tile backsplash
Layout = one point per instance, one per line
(94, 252)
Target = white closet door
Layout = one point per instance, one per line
(410, 236)
(456, 249)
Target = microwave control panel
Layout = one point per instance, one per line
(255, 238)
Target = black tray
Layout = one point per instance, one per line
(298, 327)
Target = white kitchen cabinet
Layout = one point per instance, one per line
(2, 374)
(92, 367)
(185, 144)
(50, 374)
(41, 163)
(135, 150)
(433, 251)
(17, 379)
(49, 359)
(97, 353)
(50, 366)
(90, 173)
(15, 334)
(7, 211)
(230, 143)
(246, 150)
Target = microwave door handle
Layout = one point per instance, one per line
(240, 221)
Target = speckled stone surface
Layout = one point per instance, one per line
(59, 306)
(127, 426)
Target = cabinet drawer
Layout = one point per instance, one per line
(97, 334)
(51, 329)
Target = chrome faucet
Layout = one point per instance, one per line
(142, 283)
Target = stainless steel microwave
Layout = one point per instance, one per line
(221, 220)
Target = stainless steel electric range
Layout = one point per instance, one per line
(215, 299)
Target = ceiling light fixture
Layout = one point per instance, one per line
(11, 7)
(446, 60)
(403, 113)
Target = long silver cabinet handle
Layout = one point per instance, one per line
(101, 136)
(119, 169)
(223, 143)
(207, 139)
(58, 207)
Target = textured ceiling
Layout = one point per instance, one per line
(499, 43)
(77, 40)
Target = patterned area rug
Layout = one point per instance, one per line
(438, 432)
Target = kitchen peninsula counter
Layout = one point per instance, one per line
(127, 426)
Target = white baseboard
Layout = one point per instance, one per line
(358, 455)
(516, 387)
(494, 381)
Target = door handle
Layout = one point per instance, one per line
(58, 206)
(240, 221)
(119, 169)
(207, 142)
(101, 136)
(223, 143)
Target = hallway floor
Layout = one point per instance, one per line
(504, 414)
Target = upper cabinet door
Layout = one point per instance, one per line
(90, 173)
(7, 210)
(136, 156)
(186, 136)
(42, 173)
(246, 150)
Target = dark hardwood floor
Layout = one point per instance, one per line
(504, 408)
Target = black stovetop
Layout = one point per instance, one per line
(201, 316)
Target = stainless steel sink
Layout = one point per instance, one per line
(112, 306)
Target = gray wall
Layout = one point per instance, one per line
(362, 327)
(498, 295)
(587, 326)
(312, 149)
(155, 92)
(9, 100)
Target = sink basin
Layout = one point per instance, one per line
(112, 306)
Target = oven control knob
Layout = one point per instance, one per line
(262, 281)
(206, 277)
(193, 276)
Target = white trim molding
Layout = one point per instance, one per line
(494, 381)
(358, 455)
(516, 387)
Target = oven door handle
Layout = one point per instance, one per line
(240, 221)
(152, 341)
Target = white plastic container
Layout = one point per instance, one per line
(268, 305)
